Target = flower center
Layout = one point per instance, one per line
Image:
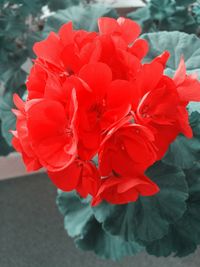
(98, 108)
(69, 71)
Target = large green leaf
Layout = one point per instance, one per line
(149, 218)
(175, 242)
(83, 17)
(76, 214)
(81, 224)
(178, 44)
(105, 245)
(184, 236)
(183, 152)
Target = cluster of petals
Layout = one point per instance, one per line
(96, 117)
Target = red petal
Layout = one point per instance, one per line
(49, 49)
(90, 180)
(188, 86)
(163, 58)
(141, 183)
(108, 26)
(18, 102)
(119, 93)
(122, 190)
(98, 76)
(139, 48)
(66, 33)
(31, 162)
(148, 78)
(130, 29)
(180, 74)
(189, 90)
(68, 178)
(36, 81)
(71, 59)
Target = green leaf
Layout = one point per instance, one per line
(184, 2)
(184, 236)
(166, 15)
(196, 12)
(178, 44)
(8, 119)
(161, 9)
(62, 4)
(5, 149)
(183, 152)
(81, 224)
(175, 242)
(180, 20)
(76, 214)
(149, 218)
(143, 17)
(83, 17)
(105, 245)
(15, 79)
(194, 107)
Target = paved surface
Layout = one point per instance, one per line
(32, 235)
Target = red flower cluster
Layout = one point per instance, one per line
(96, 117)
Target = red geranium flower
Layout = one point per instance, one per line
(90, 96)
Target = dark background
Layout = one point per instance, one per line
(32, 234)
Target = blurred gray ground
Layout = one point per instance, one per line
(32, 234)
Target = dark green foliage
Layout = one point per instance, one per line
(54, 5)
(80, 223)
(183, 236)
(196, 13)
(20, 27)
(5, 148)
(171, 15)
(7, 117)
